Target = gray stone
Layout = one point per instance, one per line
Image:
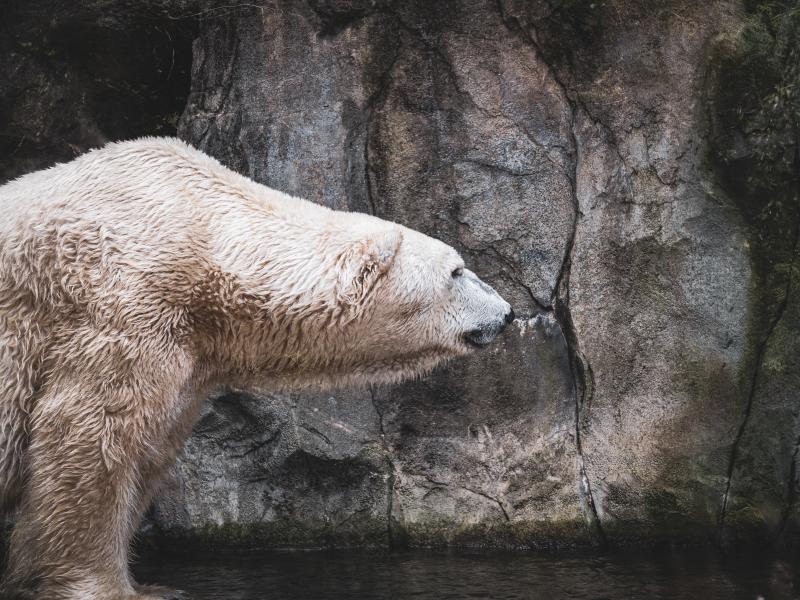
(289, 469)
(484, 453)
(75, 75)
(624, 172)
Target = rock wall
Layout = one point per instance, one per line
(626, 173)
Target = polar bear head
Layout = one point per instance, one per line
(346, 298)
(403, 302)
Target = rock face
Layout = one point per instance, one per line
(626, 173)
(76, 75)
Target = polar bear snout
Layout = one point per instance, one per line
(483, 336)
(490, 313)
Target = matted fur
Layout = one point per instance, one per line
(137, 278)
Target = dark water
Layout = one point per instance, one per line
(432, 575)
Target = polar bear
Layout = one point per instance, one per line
(139, 277)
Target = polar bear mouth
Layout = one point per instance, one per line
(480, 338)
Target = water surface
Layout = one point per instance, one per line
(440, 575)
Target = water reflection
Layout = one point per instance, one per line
(439, 575)
(781, 584)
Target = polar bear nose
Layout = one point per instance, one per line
(509, 318)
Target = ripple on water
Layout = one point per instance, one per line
(676, 574)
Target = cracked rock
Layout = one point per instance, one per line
(624, 172)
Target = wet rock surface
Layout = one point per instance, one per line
(74, 76)
(625, 173)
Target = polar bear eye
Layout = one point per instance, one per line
(457, 272)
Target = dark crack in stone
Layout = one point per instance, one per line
(625, 172)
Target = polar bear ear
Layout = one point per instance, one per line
(362, 264)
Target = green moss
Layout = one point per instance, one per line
(545, 534)
(373, 533)
(754, 112)
(754, 108)
(284, 534)
(747, 523)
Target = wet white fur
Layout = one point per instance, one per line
(137, 278)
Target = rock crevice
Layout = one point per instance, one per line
(623, 172)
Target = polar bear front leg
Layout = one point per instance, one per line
(87, 463)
